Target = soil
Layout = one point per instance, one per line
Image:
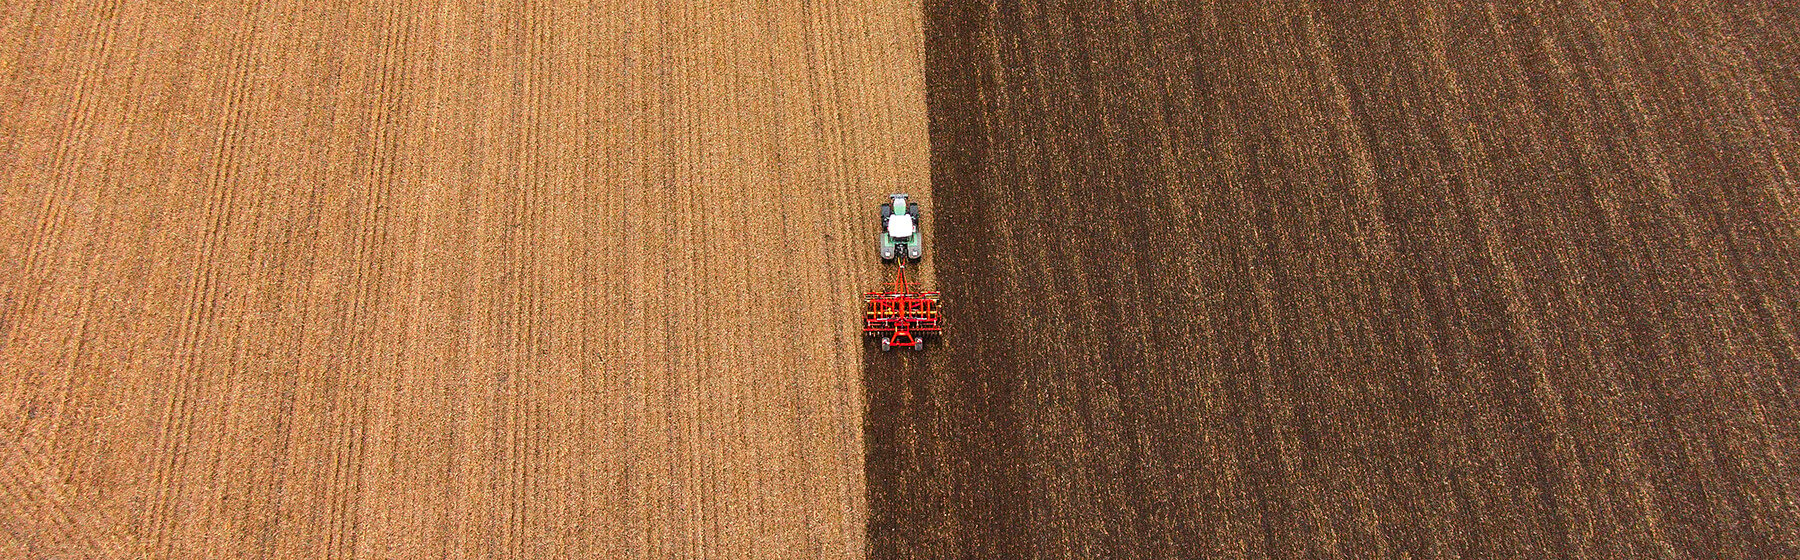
(1353, 280)
(443, 279)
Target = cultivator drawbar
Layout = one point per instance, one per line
(903, 314)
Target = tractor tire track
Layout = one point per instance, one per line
(202, 304)
(25, 275)
(40, 504)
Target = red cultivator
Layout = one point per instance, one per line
(902, 315)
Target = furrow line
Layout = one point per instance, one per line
(76, 130)
(200, 304)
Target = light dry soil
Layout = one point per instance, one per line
(443, 279)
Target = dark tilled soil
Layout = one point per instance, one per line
(1397, 279)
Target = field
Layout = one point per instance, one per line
(1287, 279)
(1354, 280)
(442, 279)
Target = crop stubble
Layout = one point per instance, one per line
(1348, 280)
(418, 279)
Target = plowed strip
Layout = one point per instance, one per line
(1352, 280)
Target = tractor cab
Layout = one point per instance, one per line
(900, 226)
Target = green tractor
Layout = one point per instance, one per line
(900, 236)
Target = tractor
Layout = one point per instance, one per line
(900, 235)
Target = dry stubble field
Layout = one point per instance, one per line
(423, 279)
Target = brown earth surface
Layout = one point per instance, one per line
(1354, 280)
(443, 279)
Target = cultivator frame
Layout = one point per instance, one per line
(902, 315)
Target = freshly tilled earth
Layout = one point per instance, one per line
(1353, 280)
